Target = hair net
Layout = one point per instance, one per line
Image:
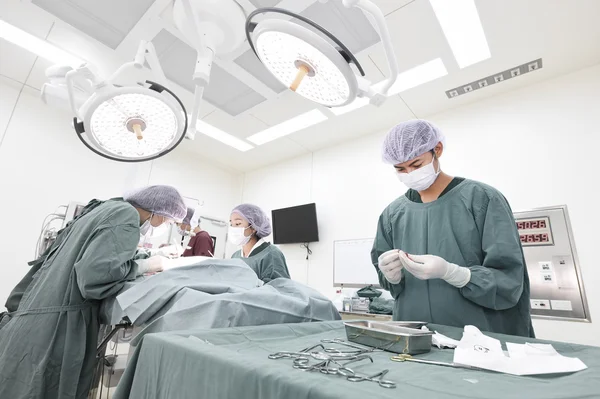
(195, 220)
(160, 200)
(257, 218)
(188, 217)
(410, 139)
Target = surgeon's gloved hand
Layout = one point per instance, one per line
(391, 266)
(428, 267)
(154, 264)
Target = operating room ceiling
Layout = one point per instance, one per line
(243, 98)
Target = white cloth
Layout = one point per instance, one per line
(440, 340)
(478, 350)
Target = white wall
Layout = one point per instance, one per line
(537, 145)
(43, 165)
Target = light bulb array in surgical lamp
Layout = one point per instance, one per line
(132, 124)
(127, 118)
(319, 70)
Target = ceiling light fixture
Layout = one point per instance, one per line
(219, 135)
(462, 27)
(212, 27)
(125, 118)
(37, 46)
(290, 126)
(315, 68)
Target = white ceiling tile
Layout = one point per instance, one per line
(353, 124)
(15, 62)
(9, 93)
(372, 71)
(234, 160)
(26, 16)
(240, 126)
(390, 6)
(288, 105)
(562, 50)
(37, 77)
(417, 38)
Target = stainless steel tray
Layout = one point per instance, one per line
(409, 324)
(389, 337)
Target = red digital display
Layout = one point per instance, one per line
(531, 225)
(535, 238)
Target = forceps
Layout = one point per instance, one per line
(409, 358)
(374, 378)
(288, 355)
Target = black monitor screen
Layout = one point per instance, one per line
(295, 225)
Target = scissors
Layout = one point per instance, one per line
(409, 358)
(378, 378)
(343, 369)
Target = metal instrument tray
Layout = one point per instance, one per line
(389, 337)
(408, 324)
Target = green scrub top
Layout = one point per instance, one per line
(48, 339)
(470, 225)
(267, 261)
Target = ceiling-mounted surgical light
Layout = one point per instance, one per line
(313, 67)
(125, 118)
(212, 27)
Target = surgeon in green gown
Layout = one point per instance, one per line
(249, 225)
(448, 250)
(48, 335)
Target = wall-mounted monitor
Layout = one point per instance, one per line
(297, 224)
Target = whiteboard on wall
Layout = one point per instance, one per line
(352, 266)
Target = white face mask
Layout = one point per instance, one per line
(236, 236)
(147, 230)
(420, 179)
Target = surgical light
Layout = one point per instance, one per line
(212, 27)
(125, 118)
(320, 70)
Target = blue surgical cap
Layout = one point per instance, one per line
(410, 139)
(257, 218)
(160, 200)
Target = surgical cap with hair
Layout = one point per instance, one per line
(188, 217)
(159, 200)
(410, 139)
(257, 218)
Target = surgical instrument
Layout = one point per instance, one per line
(378, 378)
(409, 358)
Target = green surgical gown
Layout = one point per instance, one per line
(472, 225)
(48, 340)
(267, 261)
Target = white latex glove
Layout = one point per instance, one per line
(426, 267)
(391, 266)
(169, 251)
(154, 264)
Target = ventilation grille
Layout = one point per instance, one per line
(108, 21)
(224, 90)
(495, 78)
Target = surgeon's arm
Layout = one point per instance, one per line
(498, 283)
(106, 263)
(383, 243)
